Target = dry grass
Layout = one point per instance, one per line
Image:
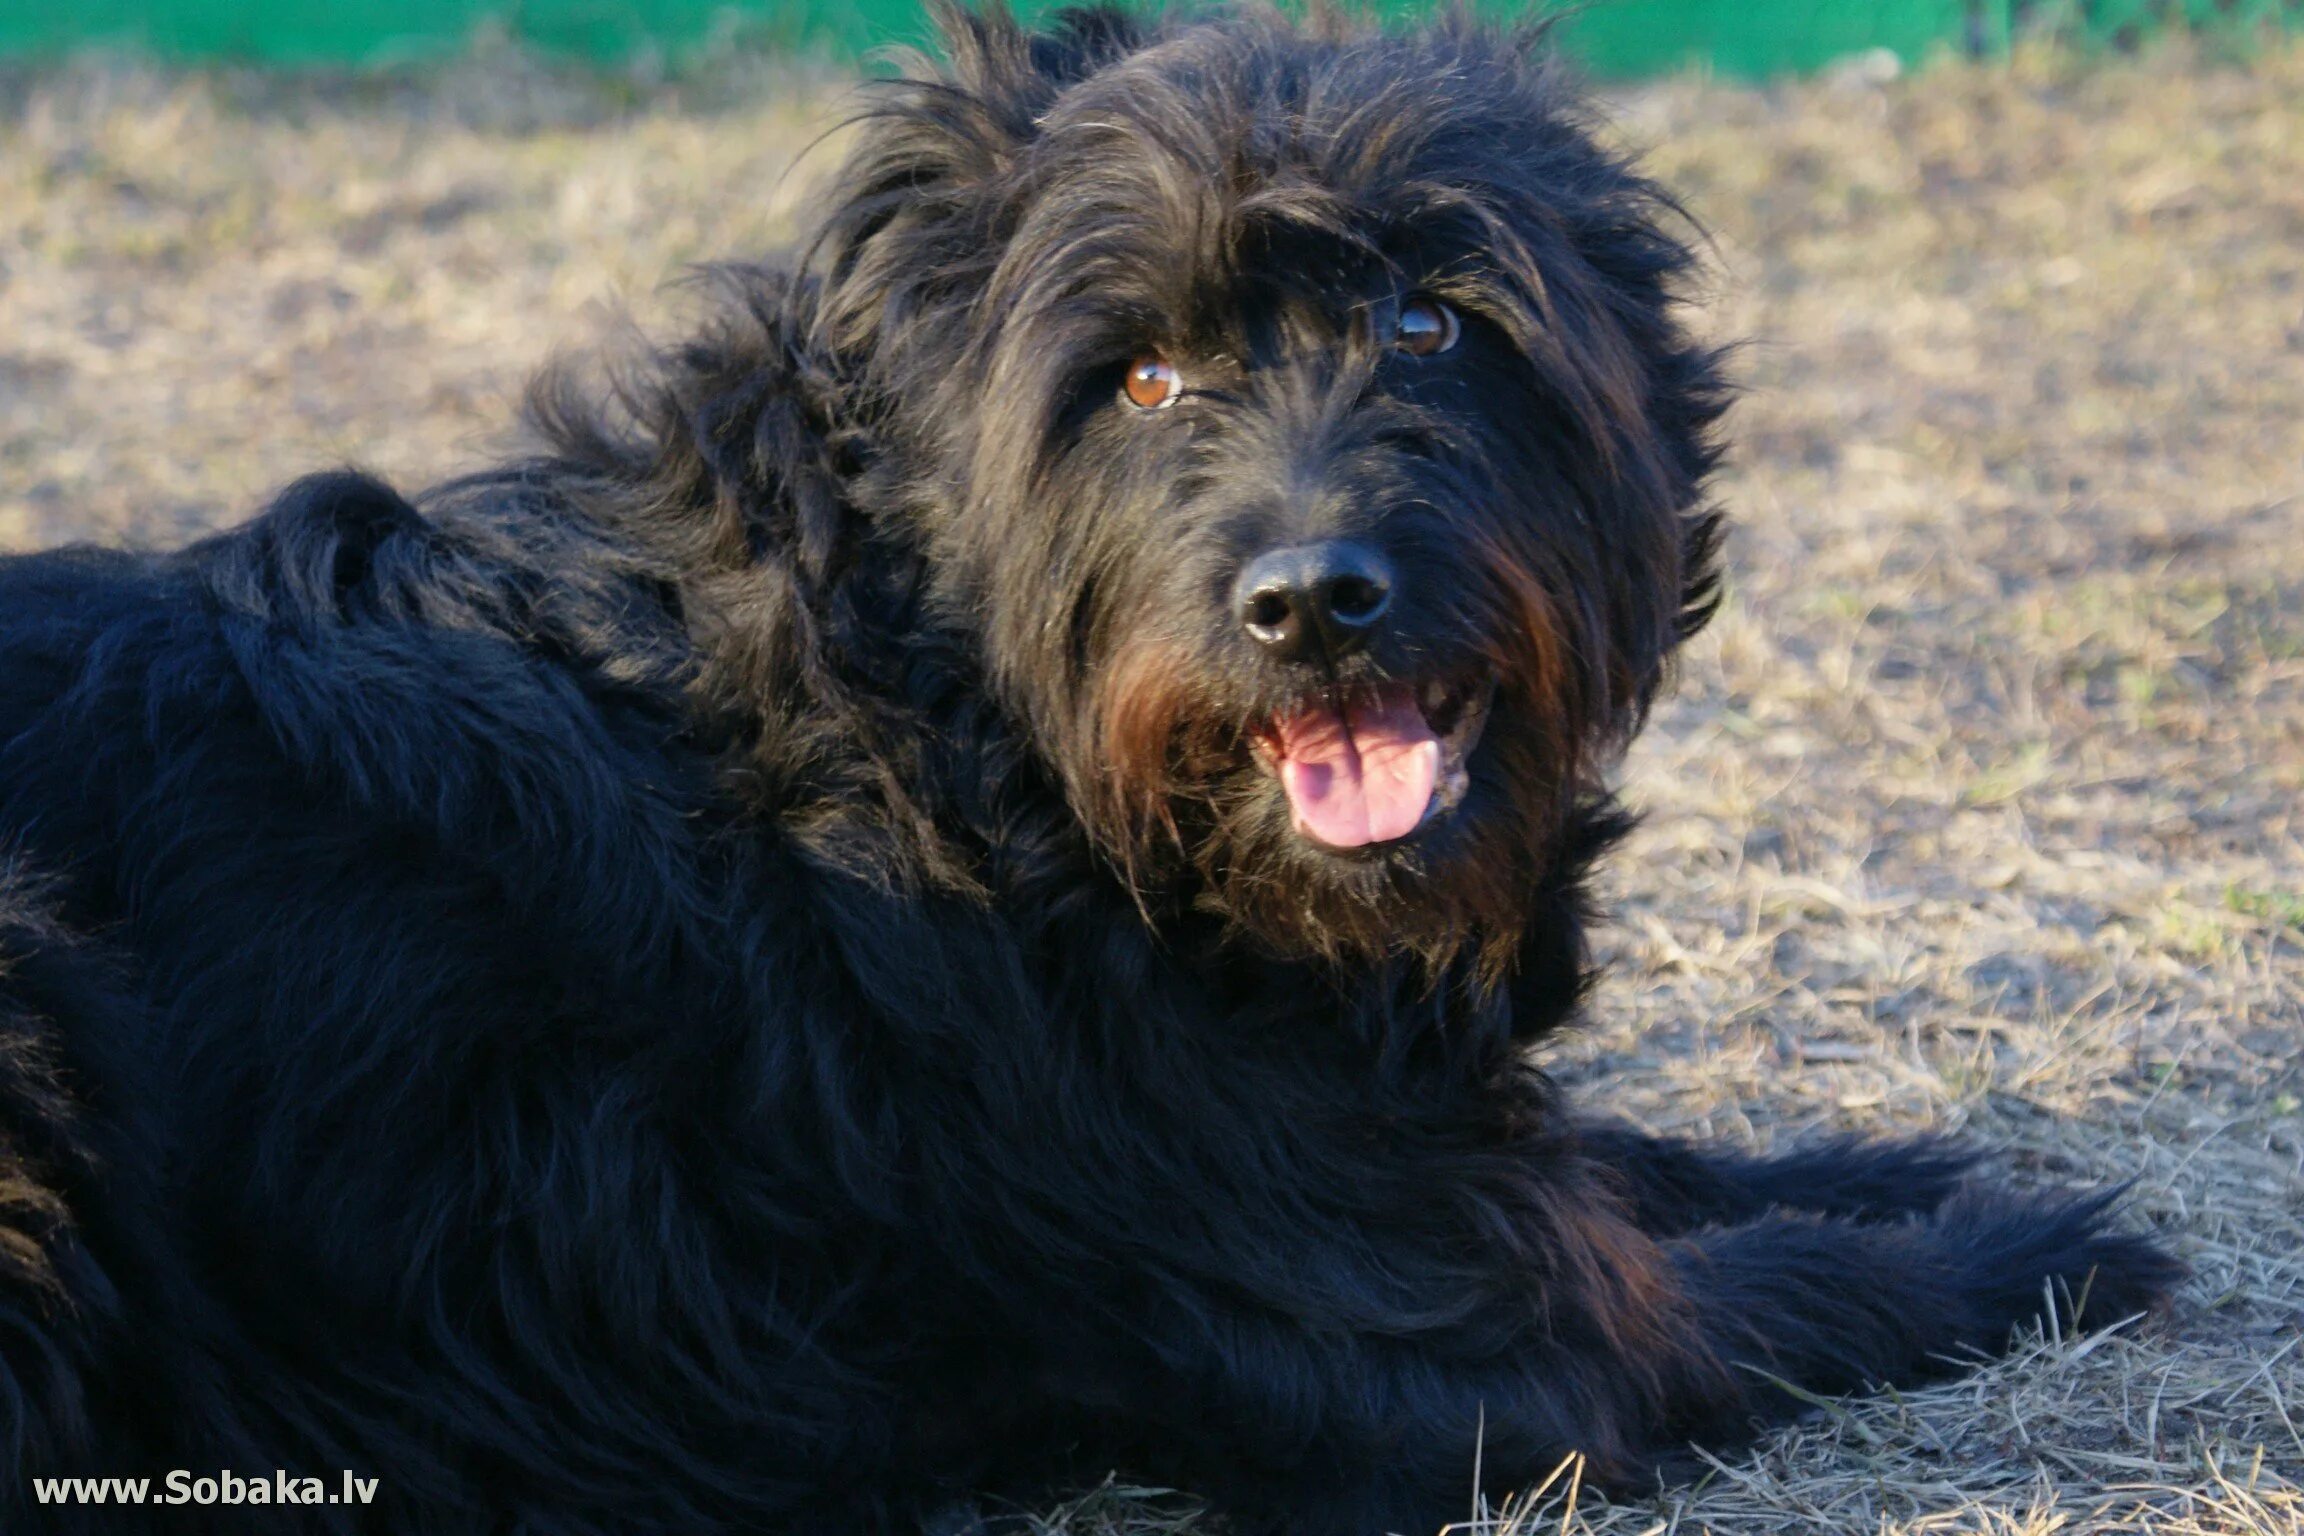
(1976, 809)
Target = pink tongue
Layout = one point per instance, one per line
(1366, 780)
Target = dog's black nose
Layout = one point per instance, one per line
(1308, 600)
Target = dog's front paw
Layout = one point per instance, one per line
(2051, 1258)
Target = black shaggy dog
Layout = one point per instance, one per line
(948, 892)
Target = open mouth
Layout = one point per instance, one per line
(1372, 764)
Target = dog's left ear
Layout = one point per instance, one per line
(1589, 266)
(918, 202)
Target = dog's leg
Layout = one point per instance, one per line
(1683, 1342)
(1676, 1186)
(1833, 1306)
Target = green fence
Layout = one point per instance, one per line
(2129, 21)
(1746, 37)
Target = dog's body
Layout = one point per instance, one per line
(959, 899)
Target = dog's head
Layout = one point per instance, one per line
(1299, 416)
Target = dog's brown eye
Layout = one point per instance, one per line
(1152, 382)
(1427, 327)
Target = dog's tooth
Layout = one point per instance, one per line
(1435, 695)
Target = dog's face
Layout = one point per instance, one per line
(1306, 433)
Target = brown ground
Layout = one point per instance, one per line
(1977, 808)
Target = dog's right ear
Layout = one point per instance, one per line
(915, 221)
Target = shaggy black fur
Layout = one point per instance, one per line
(751, 972)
